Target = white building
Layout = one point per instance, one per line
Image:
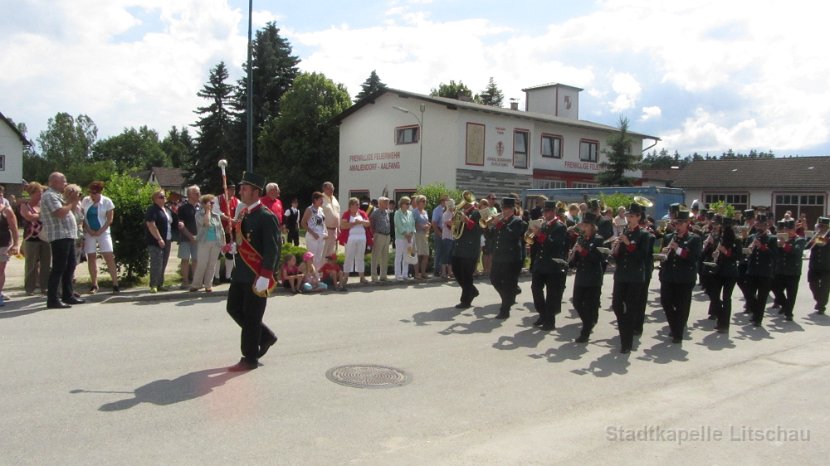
(384, 147)
(11, 155)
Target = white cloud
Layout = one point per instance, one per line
(670, 59)
(651, 113)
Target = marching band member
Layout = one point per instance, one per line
(507, 234)
(641, 308)
(589, 272)
(818, 270)
(630, 253)
(551, 243)
(747, 232)
(465, 252)
(678, 274)
(723, 276)
(760, 268)
(788, 266)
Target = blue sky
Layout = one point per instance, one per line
(705, 76)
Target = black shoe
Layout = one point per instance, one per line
(723, 329)
(243, 365)
(74, 300)
(788, 318)
(756, 323)
(503, 315)
(712, 317)
(265, 347)
(539, 322)
(548, 326)
(625, 350)
(676, 340)
(58, 305)
(475, 292)
(463, 306)
(583, 338)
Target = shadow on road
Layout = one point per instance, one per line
(444, 314)
(166, 392)
(529, 338)
(608, 364)
(817, 319)
(664, 352)
(717, 341)
(485, 322)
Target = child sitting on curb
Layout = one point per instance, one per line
(311, 279)
(290, 275)
(333, 275)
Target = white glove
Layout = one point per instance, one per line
(261, 284)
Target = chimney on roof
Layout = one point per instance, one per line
(514, 104)
(553, 99)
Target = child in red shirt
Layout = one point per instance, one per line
(333, 275)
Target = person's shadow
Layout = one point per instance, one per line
(443, 314)
(485, 322)
(608, 364)
(166, 392)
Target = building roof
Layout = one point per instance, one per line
(14, 128)
(165, 177)
(668, 174)
(773, 173)
(454, 104)
(543, 86)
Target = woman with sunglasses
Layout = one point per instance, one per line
(210, 237)
(158, 235)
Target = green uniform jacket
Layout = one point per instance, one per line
(631, 263)
(551, 243)
(728, 263)
(682, 267)
(261, 229)
(507, 240)
(605, 228)
(589, 267)
(761, 263)
(790, 257)
(469, 245)
(820, 257)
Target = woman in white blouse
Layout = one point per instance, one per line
(99, 212)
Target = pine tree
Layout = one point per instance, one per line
(492, 95)
(620, 159)
(214, 138)
(274, 70)
(179, 147)
(370, 86)
(453, 90)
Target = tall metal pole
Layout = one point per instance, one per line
(249, 142)
(421, 141)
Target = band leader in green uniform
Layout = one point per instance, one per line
(258, 239)
(588, 261)
(507, 234)
(549, 267)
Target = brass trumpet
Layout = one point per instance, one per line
(458, 218)
(530, 235)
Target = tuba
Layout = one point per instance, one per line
(467, 199)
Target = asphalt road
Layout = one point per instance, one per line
(144, 383)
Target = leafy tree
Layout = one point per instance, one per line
(68, 141)
(300, 148)
(434, 191)
(214, 138)
(453, 90)
(491, 95)
(620, 159)
(179, 147)
(274, 70)
(131, 197)
(370, 86)
(133, 149)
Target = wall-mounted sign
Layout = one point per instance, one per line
(375, 161)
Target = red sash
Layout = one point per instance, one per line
(250, 256)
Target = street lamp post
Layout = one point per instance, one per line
(423, 107)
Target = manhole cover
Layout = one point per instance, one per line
(368, 376)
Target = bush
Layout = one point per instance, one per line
(131, 197)
(616, 200)
(721, 207)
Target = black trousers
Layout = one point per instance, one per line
(641, 308)
(63, 269)
(720, 299)
(625, 302)
(820, 286)
(504, 276)
(758, 289)
(586, 303)
(464, 269)
(293, 236)
(247, 309)
(676, 299)
(785, 289)
(547, 289)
